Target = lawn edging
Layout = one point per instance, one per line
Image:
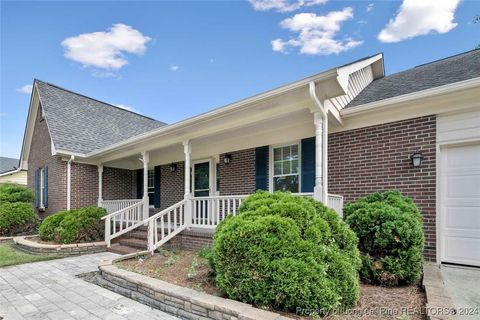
(27, 245)
(6, 240)
(180, 301)
(438, 299)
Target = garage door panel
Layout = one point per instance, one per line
(460, 204)
(462, 218)
(462, 250)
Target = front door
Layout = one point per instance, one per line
(201, 188)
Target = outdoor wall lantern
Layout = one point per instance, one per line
(227, 158)
(173, 167)
(416, 158)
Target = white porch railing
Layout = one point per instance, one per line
(115, 205)
(208, 212)
(122, 221)
(167, 223)
(198, 212)
(336, 203)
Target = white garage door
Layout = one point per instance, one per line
(460, 204)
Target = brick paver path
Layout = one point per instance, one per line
(50, 290)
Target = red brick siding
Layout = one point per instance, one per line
(41, 155)
(84, 185)
(191, 240)
(238, 177)
(119, 184)
(376, 158)
(172, 188)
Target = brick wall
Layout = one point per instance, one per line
(370, 159)
(41, 155)
(238, 177)
(172, 188)
(119, 184)
(84, 185)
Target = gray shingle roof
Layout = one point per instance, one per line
(438, 73)
(8, 164)
(81, 124)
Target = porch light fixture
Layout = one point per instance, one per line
(173, 167)
(416, 158)
(227, 158)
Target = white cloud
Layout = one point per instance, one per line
(27, 89)
(127, 108)
(370, 7)
(416, 18)
(174, 67)
(105, 49)
(316, 34)
(283, 5)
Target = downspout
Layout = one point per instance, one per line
(69, 180)
(324, 123)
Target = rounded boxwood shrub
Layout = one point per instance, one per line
(82, 225)
(286, 252)
(10, 192)
(17, 218)
(389, 228)
(49, 228)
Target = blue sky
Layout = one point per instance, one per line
(171, 60)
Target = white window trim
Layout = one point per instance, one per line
(41, 189)
(270, 164)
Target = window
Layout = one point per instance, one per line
(42, 188)
(151, 187)
(286, 168)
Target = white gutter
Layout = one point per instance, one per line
(6, 173)
(69, 181)
(323, 157)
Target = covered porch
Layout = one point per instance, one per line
(194, 173)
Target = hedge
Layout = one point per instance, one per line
(17, 218)
(10, 192)
(391, 240)
(284, 252)
(74, 226)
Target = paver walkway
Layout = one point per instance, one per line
(50, 290)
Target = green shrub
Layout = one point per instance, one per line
(17, 218)
(389, 228)
(10, 192)
(49, 228)
(82, 225)
(286, 251)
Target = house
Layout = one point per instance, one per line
(337, 135)
(10, 171)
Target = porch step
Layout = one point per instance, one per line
(134, 243)
(120, 249)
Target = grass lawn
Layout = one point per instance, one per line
(10, 256)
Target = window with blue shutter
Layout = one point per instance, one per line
(45, 187)
(36, 186)
(261, 167)
(157, 177)
(139, 183)
(308, 164)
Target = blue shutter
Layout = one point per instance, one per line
(156, 183)
(261, 168)
(308, 164)
(45, 187)
(139, 183)
(36, 186)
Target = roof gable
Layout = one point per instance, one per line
(79, 124)
(457, 68)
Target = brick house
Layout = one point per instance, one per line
(337, 135)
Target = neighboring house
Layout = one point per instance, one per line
(10, 171)
(337, 135)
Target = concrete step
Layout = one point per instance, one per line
(134, 243)
(120, 249)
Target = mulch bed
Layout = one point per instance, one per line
(177, 267)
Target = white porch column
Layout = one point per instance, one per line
(145, 159)
(187, 150)
(320, 191)
(100, 185)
